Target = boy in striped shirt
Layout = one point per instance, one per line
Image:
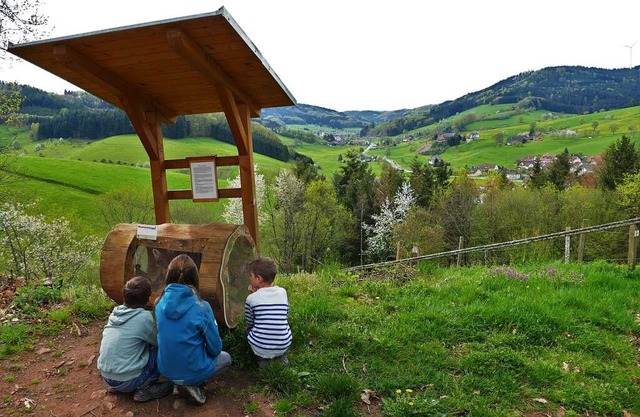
(266, 314)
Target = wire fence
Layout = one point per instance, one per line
(486, 249)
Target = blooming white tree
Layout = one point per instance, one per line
(33, 247)
(379, 233)
(233, 208)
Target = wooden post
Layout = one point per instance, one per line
(581, 242)
(397, 250)
(460, 243)
(248, 180)
(633, 245)
(567, 246)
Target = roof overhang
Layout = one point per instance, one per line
(171, 67)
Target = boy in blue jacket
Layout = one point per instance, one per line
(189, 345)
(128, 349)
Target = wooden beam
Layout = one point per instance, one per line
(221, 161)
(188, 194)
(240, 133)
(199, 60)
(158, 172)
(142, 128)
(108, 80)
(248, 179)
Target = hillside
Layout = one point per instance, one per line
(566, 89)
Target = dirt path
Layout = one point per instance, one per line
(58, 378)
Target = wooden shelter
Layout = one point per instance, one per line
(160, 70)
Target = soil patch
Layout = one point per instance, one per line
(58, 378)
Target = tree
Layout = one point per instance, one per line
(454, 209)
(126, 205)
(283, 207)
(499, 139)
(426, 180)
(614, 128)
(629, 191)
(233, 208)
(36, 248)
(391, 180)
(20, 21)
(306, 170)
(9, 105)
(355, 186)
(355, 183)
(537, 178)
(594, 125)
(620, 158)
(326, 226)
(380, 233)
(560, 170)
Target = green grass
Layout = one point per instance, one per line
(127, 150)
(477, 341)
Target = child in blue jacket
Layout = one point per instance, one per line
(189, 345)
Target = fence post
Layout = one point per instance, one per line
(633, 245)
(581, 242)
(567, 246)
(459, 247)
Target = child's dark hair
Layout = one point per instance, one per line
(183, 270)
(263, 267)
(136, 292)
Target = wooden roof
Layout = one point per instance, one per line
(170, 66)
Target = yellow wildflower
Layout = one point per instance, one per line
(409, 391)
(411, 403)
(398, 391)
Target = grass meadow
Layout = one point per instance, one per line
(464, 341)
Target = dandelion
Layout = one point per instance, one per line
(398, 391)
(409, 391)
(411, 403)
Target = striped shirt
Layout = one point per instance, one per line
(266, 313)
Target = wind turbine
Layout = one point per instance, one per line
(631, 53)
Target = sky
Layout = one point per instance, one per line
(383, 55)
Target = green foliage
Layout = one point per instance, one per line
(284, 381)
(14, 337)
(88, 302)
(332, 387)
(30, 298)
(620, 159)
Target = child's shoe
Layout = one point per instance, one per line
(197, 394)
(153, 391)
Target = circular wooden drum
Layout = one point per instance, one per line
(221, 252)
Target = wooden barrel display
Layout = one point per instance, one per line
(221, 252)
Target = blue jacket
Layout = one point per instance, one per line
(188, 337)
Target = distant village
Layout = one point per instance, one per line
(580, 165)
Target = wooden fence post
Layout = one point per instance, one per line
(581, 242)
(633, 245)
(567, 246)
(459, 247)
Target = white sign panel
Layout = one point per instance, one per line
(203, 180)
(147, 231)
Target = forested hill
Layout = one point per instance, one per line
(566, 89)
